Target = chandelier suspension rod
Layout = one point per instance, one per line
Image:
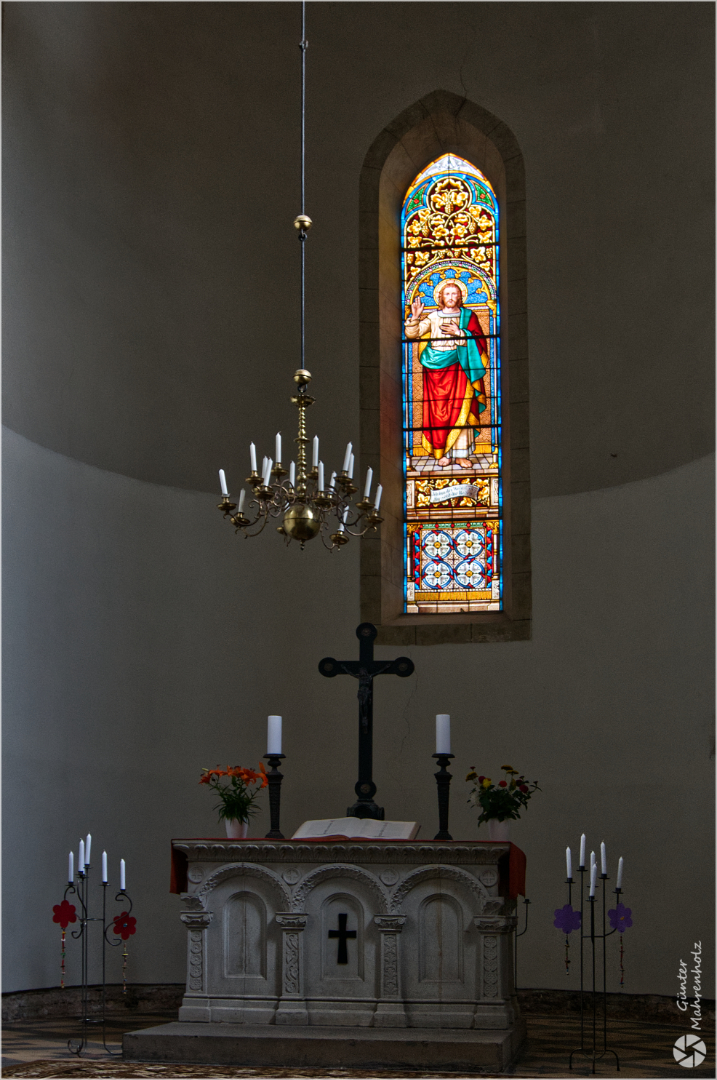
(302, 233)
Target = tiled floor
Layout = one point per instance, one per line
(39, 1049)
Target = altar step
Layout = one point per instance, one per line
(328, 1047)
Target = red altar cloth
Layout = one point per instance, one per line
(511, 866)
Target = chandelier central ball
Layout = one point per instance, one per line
(301, 522)
(303, 221)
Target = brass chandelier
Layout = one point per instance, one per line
(300, 497)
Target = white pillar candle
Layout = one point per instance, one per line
(379, 493)
(223, 483)
(122, 878)
(104, 867)
(71, 868)
(88, 848)
(619, 873)
(347, 457)
(443, 733)
(292, 474)
(321, 476)
(603, 859)
(569, 861)
(273, 735)
(81, 858)
(252, 455)
(242, 498)
(593, 878)
(582, 851)
(278, 446)
(332, 481)
(315, 458)
(369, 481)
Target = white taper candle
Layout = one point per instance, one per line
(252, 455)
(582, 851)
(351, 467)
(603, 859)
(443, 733)
(88, 848)
(379, 493)
(593, 860)
(569, 861)
(332, 481)
(104, 867)
(369, 481)
(347, 457)
(344, 515)
(321, 476)
(223, 482)
(292, 474)
(593, 878)
(71, 868)
(242, 499)
(315, 458)
(122, 875)
(273, 735)
(278, 446)
(619, 873)
(81, 858)
(267, 471)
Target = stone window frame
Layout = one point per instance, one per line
(438, 124)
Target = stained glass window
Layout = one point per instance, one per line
(451, 392)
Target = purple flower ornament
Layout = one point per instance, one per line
(620, 917)
(566, 919)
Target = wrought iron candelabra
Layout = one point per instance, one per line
(119, 927)
(443, 784)
(274, 778)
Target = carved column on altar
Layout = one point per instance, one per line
(390, 1011)
(496, 980)
(196, 920)
(292, 1004)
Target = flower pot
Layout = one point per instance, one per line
(236, 830)
(499, 830)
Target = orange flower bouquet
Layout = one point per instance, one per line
(237, 798)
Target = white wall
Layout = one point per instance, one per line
(144, 641)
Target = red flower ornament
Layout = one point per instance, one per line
(64, 914)
(125, 925)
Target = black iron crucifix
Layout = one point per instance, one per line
(343, 935)
(364, 669)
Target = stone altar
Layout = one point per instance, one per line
(397, 945)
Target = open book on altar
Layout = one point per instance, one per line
(358, 829)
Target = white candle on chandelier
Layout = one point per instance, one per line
(81, 858)
(593, 879)
(347, 457)
(369, 481)
(443, 733)
(315, 458)
(88, 847)
(344, 515)
(321, 476)
(273, 735)
(582, 851)
(603, 860)
(223, 483)
(351, 468)
(332, 481)
(71, 868)
(379, 493)
(569, 862)
(278, 446)
(122, 877)
(267, 471)
(292, 474)
(104, 867)
(252, 455)
(619, 873)
(242, 497)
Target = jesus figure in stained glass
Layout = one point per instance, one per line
(453, 354)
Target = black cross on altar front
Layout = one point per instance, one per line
(365, 669)
(343, 935)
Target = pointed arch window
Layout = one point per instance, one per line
(452, 445)
(444, 377)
